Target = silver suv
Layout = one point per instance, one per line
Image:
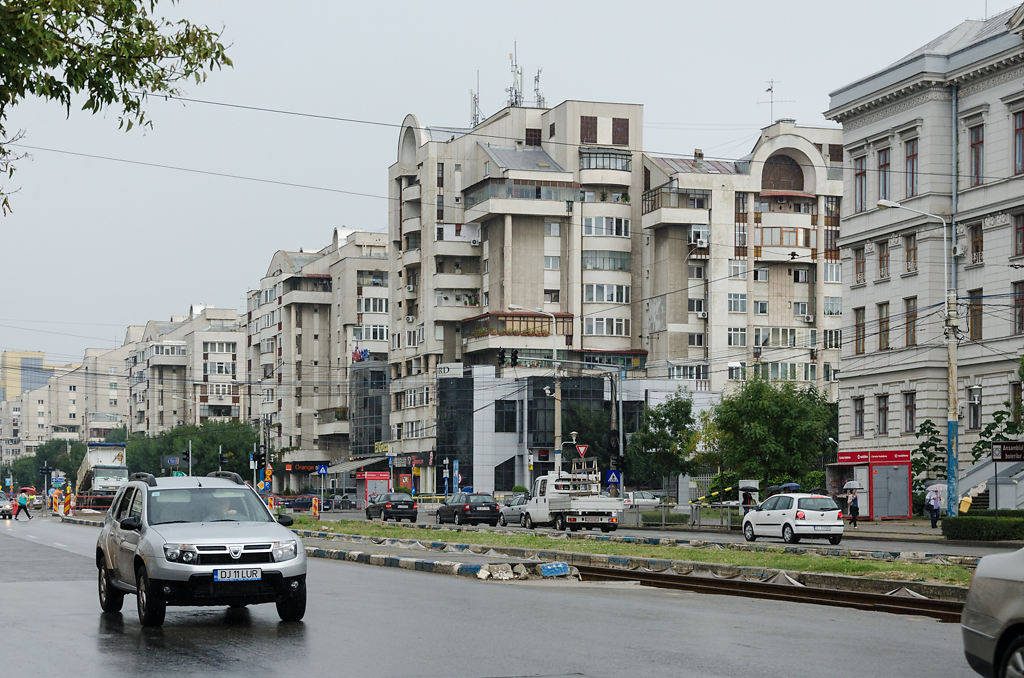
(197, 541)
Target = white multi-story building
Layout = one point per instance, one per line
(740, 264)
(187, 371)
(940, 131)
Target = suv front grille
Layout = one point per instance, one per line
(221, 555)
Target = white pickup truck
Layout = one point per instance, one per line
(571, 499)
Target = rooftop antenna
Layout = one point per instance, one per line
(515, 92)
(536, 91)
(772, 101)
(474, 102)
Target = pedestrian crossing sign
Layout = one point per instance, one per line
(613, 477)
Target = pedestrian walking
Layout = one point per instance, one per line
(854, 506)
(23, 506)
(931, 501)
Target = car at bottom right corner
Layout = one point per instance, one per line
(992, 623)
(793, 517)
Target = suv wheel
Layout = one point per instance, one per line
(151, 604)
(292, 606)
(111, 599)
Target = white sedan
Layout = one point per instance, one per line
(641, 499)
(794, 517)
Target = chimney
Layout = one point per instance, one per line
(698, 154)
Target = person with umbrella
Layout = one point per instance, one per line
(748, 498)
(932, 503)
(851, 501)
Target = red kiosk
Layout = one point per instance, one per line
(885, 475)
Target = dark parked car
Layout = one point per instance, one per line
(302, 503)
(464, 507)
(341, 502)
(397, 505)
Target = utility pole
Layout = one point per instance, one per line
(190, 457)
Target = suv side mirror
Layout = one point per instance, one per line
(131, 523)
(285, 520)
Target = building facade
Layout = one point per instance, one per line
(940, 131)
(741, 267)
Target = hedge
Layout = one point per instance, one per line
(983, 528)
(1003, 513)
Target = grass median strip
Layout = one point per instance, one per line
(916, 572)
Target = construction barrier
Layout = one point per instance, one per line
(316, 508)
(67, 504)
(270, 502)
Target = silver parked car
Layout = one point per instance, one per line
(794, 517)
(992, 623)
(512, 510)
(197, 541)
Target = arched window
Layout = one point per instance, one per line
(782, 173)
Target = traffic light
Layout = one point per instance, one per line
(515, 357)
(501, 357)
(613, 462)
(258, 457)
(186, 456)
(222, 458)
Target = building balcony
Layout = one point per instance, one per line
(519, 329)
(411, 192)
(668, 205)
(167, 360)
(495, 207)
(609, 177)
(455, 313)
(306, 297)
(411, 257)
(411, 225)
(456, 281)
(786, 219)
(784, 253)
(463, 247)
(411, 291)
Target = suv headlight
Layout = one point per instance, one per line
(181, 553)
(285, 550)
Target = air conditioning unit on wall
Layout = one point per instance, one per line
(703, 315)
(410, 318)
(410, 288)
(808, 318)
(701, 242)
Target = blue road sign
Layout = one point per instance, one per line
(612, 477)
(321, 470)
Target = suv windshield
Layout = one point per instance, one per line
(206, 504)
(818, 504)
(481, 499)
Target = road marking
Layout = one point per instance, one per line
(58, 544)
(32, 536)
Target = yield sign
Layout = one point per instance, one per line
(582, 449)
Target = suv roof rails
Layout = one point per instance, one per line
(147, 478)
(228, 475)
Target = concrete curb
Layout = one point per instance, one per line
(814, 579)
(830, 551)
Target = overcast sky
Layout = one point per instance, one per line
(94, 245)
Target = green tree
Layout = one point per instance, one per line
(928, 459)
(62, 455)
(116, 435)
(235, 439)
(664, 444)
(109, 53)
(771, 430)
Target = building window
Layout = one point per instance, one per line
(974, 407)
(858, 330)
(690, 372)
(532, 137)
(883, 260)
(883, 174)
(833, 306)
(910, 248)
(1018, 307)
(801, 275)
(552, 229)
(883, 326)
(976, 135)
(605, 260)
(833, 272)
(909, 412)
(737, 336)
(505, 414)
(738, 303)
(440, 212)
(695, 271)
(695, 305)
(977, 244)
(799, 309)
(1018, 143)
(615, 327)
(695, 339)
(551, 296)
(833, 339)
(588, 129)
(974, 313)
(551, 263)
(737, 268)
(738, 372)
(910, 311)
(1018, 235)
(761, 308)
(761, 274)
(1016, 406)
(858, 417)
(551, 130)
(860, 184)
(612, 226)
(859, 265)
(615, 294)
(440, 175)
(882, 428)
(620, 132)
(911, 167)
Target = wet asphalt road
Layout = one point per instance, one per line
(370, 621)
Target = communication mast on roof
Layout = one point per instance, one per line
(536, 90)
(515, 92)
(474, 103)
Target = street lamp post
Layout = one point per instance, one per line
(558, 383)
(951, 325)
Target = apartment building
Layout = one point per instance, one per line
(314, 315)
(22, 371)
(940, 131)
(740, 262)
(187, 370)
(530, 209)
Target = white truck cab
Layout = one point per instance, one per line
(571, 500)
